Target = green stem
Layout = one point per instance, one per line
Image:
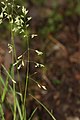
(27, 78)
(1, 113)
(12, 38)
(13, 55)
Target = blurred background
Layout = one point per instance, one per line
(57, 24)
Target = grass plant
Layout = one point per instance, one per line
(17, 18)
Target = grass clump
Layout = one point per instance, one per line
(17, 17)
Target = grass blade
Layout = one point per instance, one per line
(2, 80)
(19, 109)
(5, 90)
(1, 113)
(9, 74)
(43, 107)
(32, 114)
